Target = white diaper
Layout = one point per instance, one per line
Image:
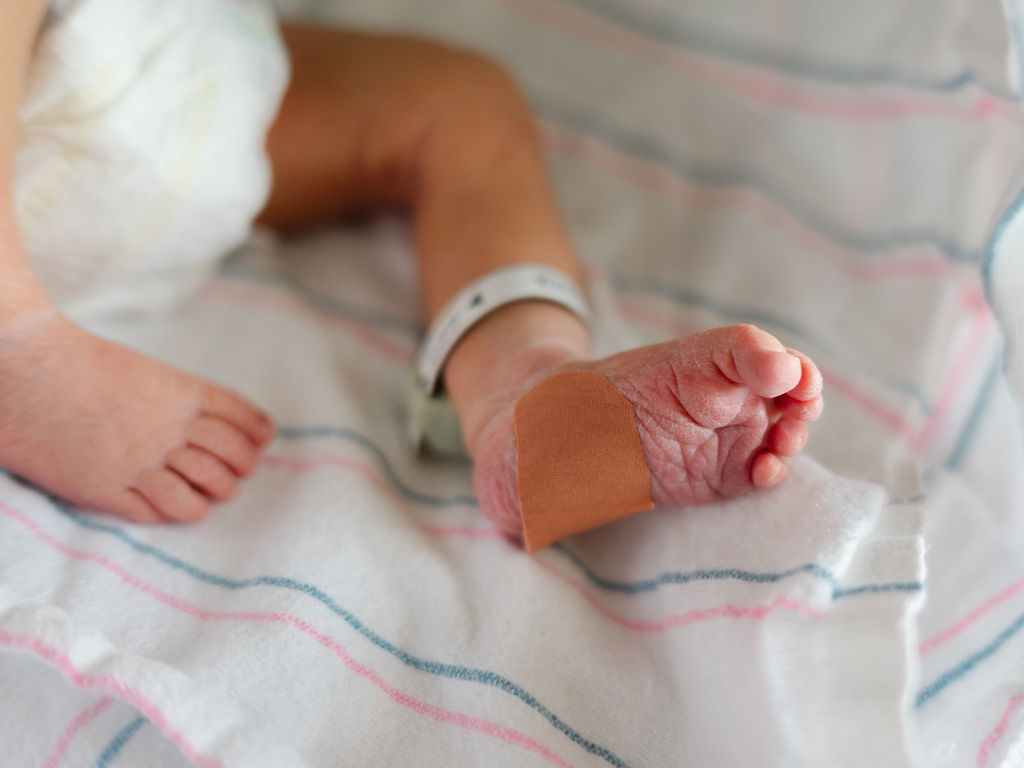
(140, 160)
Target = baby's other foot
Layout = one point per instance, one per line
(111, 430)
(716, 413)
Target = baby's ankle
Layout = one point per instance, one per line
(506, 354)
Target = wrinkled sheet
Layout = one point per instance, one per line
(839, 175)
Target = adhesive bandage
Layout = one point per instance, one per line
(581, 463)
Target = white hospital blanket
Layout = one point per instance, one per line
(830, 172)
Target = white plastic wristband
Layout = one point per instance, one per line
(483, 296)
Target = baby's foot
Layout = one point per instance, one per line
(717, 413)
(111, 430)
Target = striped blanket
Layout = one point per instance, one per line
(843, 175)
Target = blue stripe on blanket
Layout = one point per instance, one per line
(665, 29)
(960, 670)
(623, 283)
(716, 176)
(677, 577)
(988, 261)
(689, 297)
(453, 671)
(737, 574)
(440, 669)
(341, 433)
(892, 586)
(113, 749)
(974, 419)
(769, 320)
(325, 302)
(437, 668)
(644, 585)
(635, 587)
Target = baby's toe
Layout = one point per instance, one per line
(224, 441)
(225, 405)
(761, 362)
(767, 470)
(810, 384)
(204, 471)
(788, 437)
(172, 496)
(800, 410)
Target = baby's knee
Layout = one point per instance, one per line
(471, 78)
(481, 117)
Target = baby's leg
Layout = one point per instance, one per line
(92, 422)
(371, 120)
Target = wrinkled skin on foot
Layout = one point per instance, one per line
(110, 430)
(717, 414)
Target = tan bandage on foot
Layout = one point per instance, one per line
(580, 460)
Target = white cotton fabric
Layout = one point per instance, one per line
(1005, 279)
(140, 157)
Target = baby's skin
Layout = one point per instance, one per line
(108, 429)
(717, 413)
(111, 430)
(370, 121)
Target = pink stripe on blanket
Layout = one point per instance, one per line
(83, 719)
(335, 462)
(997, 733)
(774, 89)
(643, 313)
(665, 183)
(970, 618)
(469, 722)
(258, 296)
(984, 322)
(108, 683)
(918, 439)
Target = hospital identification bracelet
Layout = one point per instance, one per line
(483, 296)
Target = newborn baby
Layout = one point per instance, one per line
(366, 122)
